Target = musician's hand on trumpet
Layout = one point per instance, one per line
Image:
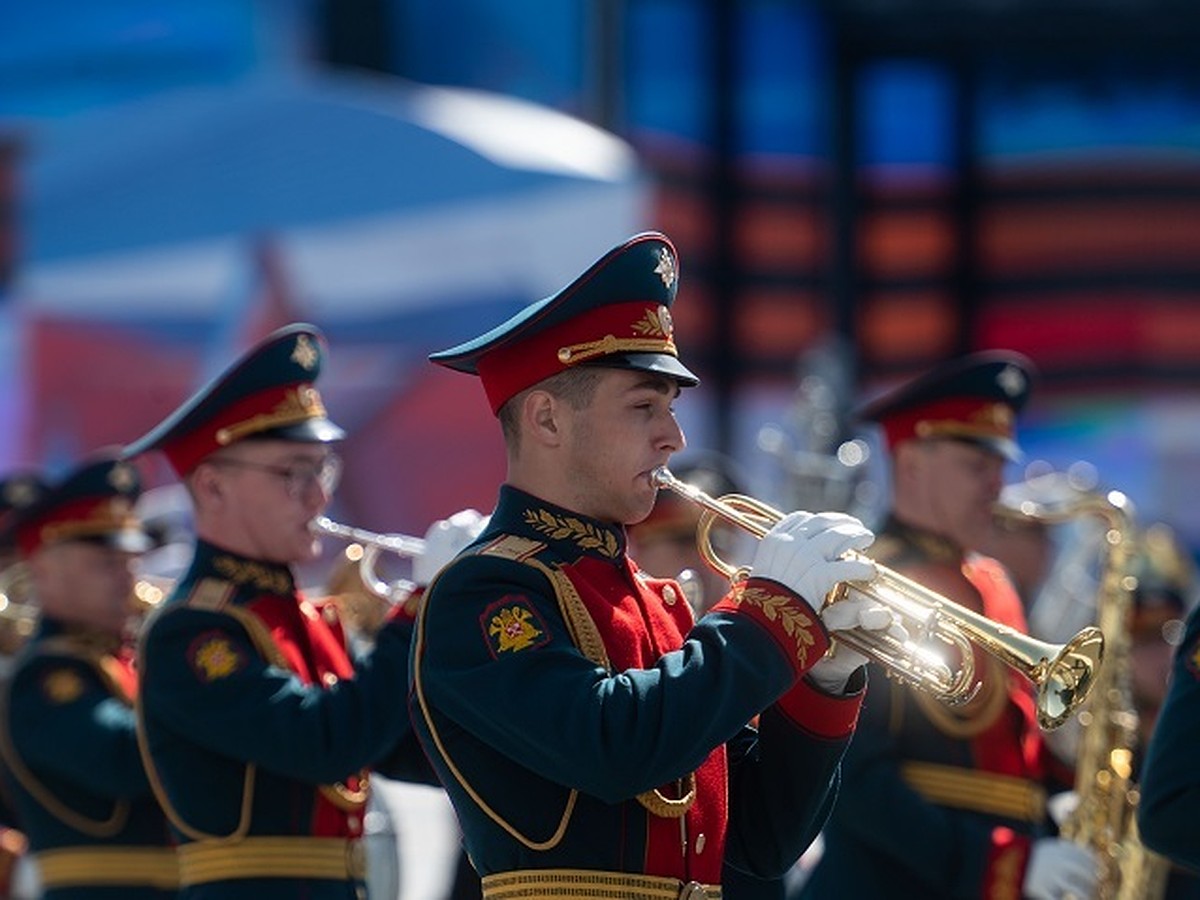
(805, 552)
(444, 540)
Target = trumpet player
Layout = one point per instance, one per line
(257, 726)
(943, 801)
(591, 734)
(67, 723)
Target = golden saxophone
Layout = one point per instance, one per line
(1104, 819)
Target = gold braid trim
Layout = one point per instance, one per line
(338, 794)
(976, 716)
(117, 866)
(611, 344)
(972, 789)
(298, 405)
(419, 691)
(587, 638)
(571, 884)
(213, 595)
(97, 828)
(584, 534)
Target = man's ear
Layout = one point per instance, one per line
(542, 413)
(207, 487)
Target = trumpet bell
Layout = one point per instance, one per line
(369, 545)
(1066, 680)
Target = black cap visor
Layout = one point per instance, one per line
(658, 363)
(1001, 446)
(310, 431)
(128, 540)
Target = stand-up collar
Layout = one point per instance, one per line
(924, 543)
(255, 575)
(567, 533)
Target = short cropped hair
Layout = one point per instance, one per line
(575, 386)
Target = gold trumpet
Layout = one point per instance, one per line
(1063, 673)
(372, 544)
(18, 613)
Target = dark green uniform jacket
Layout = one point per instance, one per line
(938, 801)
(583, 723)
(71, 761)
(259, 727)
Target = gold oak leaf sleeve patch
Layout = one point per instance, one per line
(511, 625)
(214, 656)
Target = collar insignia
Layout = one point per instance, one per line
(586, 535)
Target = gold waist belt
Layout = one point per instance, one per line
(337, 859)
(96, 866)
(577, 884)
(985, 792)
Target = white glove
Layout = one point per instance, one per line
(802, 551)
(1058, 868)
(833, 670)
(444, 540)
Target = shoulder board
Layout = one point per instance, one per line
(511, 546)
(64, 645)
(210, 594)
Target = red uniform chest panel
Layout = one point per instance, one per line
(317, 654)
(121, 670)
(1013, 744)
(312, 649)
(638, 626)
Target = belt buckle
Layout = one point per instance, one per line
(693, 890)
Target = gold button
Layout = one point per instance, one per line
(669, 595)
(700, 841)
(329, 679)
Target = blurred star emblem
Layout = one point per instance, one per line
(305, 354)
(666, 267)
(122, 478)
(1011, 380)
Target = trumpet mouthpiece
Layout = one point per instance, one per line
(661, 477)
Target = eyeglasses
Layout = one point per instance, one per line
(297, 476)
